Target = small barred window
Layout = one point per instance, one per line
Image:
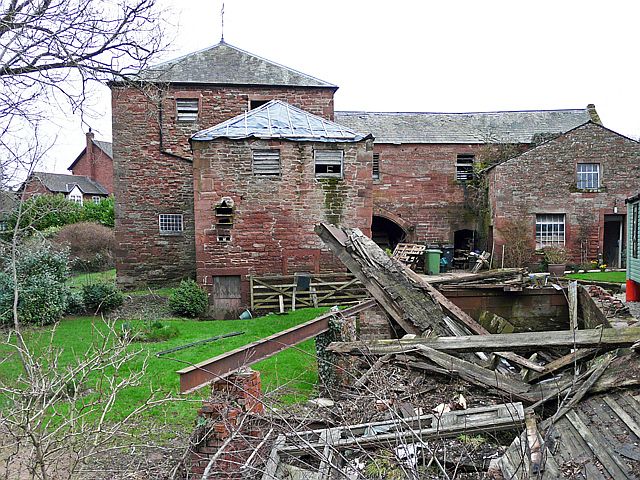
(266, 163)
(170, 223)
(187, 109)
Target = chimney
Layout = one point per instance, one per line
(89, 154)
(595, 118)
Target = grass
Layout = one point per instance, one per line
(613, 277)
(77, 281)
(294, 369)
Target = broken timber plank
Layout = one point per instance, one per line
(199, 375)
(481, 419)
(274, 459)
(478, 375)
(385, 279)
(566, 360)
(572, 293)
(604, 339)
(490, 274)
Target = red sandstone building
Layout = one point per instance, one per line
(418, 185)
(572, 192)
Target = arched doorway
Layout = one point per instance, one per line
(386, 233)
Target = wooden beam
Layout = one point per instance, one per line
(604, 339)
(572, 293)
(564, 361)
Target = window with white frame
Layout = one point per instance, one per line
(170, 223)
(96, 199)
(75, 197)
(187, 109)
(266, 163)
(549, 230)
(328, 163)
(464, 167)
(588, 176)
(375, 172)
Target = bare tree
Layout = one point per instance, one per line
(52, 55)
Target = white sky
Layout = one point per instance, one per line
(429, 55)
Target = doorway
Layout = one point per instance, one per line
(386, 233)
(613, 242)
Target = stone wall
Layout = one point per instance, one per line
(153, 170)
(95, 164)
(543, 181)
(274, 217)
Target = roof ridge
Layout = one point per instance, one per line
(361, 112)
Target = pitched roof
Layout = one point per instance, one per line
(278, 119)
(228, 65)
(106, 147)
(8, 201)
(61, 183)
(479, 127)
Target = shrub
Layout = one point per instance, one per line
(90, 245)
(75, 303)
(519, 248)
(188, 300)
(101, 212)
(42, 294)
(101, 297)
(45, 211)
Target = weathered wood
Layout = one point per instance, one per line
(600, 450)
(564, 361)
(327, 461)
(523, 362)
(624, 416)
(604, 339)
(572, 294)
(591, 315)
(274, 459)
(477, 375)
(579, 393)
(374, 368)
(385, 279)
(480, 419)
(488, 276)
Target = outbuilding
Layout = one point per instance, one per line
(633, 250)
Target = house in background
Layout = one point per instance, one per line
(95, 162)
(76, 188)
(572, 191)
(633, 248)
(8, 202)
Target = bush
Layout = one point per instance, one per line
(75, 303)
(42, 294)
(101, 297)
(188, 300)
(46, 211)
(90, 246)
(102, 212)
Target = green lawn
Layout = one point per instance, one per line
(613, 277)
(294, 370)
(77, 281)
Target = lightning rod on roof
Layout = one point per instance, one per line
(222, 23)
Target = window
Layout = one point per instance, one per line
(266, 163)
(96, 199)
(328, 163)
(224, 219)
(76, 197)
(549, 230)
(464, 167)
(187, 109)
(375, 172)
(588, 176)
(634, 229)
(170, 223)
(257, 103)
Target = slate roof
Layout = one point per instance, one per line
(278, 119)
(61, 183)
(228, 65)
(468, 128)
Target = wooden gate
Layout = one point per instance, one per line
(289, 292)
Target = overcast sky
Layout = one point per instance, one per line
(427, 56)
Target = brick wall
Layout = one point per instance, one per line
(543, 180)
(418, 184)
(95, 164)
(274, 217)
(153, 171)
